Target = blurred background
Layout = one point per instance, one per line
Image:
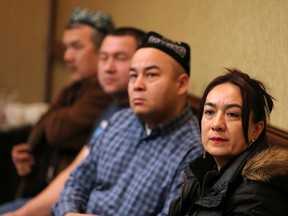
(251, 35)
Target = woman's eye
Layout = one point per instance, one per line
(233, 115)
(208, 112)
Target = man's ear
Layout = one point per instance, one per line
(183, 83)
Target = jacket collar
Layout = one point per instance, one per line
(230, 176)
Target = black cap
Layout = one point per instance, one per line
(180, 51)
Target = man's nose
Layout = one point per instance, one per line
(68, 56)
(110, 65)
(139, 83)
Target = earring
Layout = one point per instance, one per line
(251, 142)
(204, 154)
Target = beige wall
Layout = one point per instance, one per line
(251, 35)
(248, 34)
(23, 46)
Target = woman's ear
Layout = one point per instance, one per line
(257, 130)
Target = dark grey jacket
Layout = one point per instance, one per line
(262, 189)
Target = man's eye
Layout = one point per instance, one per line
(151, 74)
(103, 58)
(77, 46)
(133, 75)
(121, 58)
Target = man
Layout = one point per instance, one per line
(61, 132)
(116, 52)
(135, 165)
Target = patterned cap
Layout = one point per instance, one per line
(180, 51)
(96, 19)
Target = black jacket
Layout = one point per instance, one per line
(207, 191)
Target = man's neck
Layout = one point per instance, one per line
(154, 122)
(121, 99)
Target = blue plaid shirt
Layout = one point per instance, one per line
(130, 173)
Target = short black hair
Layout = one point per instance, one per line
(138, 34)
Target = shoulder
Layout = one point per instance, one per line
(265, 188)
(185, 137)
(123, 119)
(186, 124)
(189, 121)
(91, 85)
(188, 131)
(258, 197)
(267, 164)
(269, 168)
(184, 146)
(125, 113)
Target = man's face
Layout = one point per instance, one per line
(114, 62)
(80, 54)
(153, 87)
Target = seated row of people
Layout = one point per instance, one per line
(135, 160)
(60, 134)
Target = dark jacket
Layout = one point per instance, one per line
(207, 191)
(59, 135)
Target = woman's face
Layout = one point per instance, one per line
(221, 124)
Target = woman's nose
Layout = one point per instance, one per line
(218, 123)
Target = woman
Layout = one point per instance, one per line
(232, 118)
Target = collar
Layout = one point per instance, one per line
(172, 125)
(229, 177)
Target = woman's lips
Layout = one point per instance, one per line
(218, 139)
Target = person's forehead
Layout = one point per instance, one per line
(225, 91)
(119, 40)
(80, 33)
(113, 43)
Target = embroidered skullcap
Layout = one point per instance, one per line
(180, 51)
(96, 19)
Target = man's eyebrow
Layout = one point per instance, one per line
(145, 68)
(151, 67)
(114, 54)
(132, 69)
(75, 42)
(71, 43)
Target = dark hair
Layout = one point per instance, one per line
(138, 34)
(96, 36)
(254, 95)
